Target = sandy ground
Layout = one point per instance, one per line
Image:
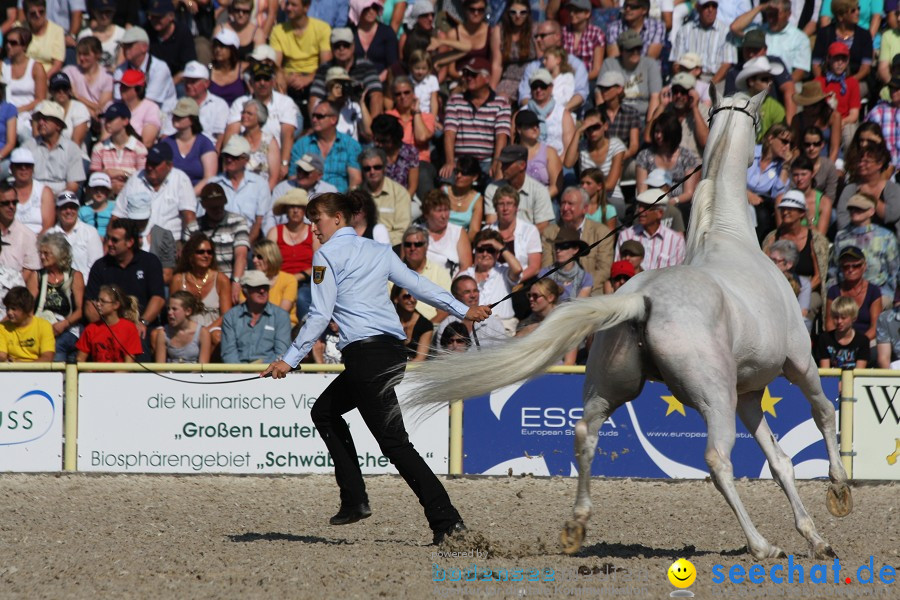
(78, 536)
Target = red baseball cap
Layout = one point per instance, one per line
(477, 64)
(621, 267)
(133, 78)
(838, 49)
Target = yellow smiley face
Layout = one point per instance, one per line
(682, 573)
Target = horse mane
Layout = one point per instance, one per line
(701, 215)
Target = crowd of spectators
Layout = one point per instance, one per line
(157, 158)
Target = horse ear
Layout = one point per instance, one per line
(756, 101)
(717, 93)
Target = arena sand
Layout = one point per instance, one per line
(134, 536)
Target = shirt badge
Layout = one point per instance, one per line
(318, 274)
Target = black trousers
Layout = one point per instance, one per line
(369, 366)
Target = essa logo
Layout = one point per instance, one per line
(27, 418)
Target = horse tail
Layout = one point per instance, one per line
(476, 373)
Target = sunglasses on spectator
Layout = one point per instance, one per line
(476, 10)
(566, 245)
(840, 57)
(632, 7)
(114, 240)
(622, 278)
(467, 74)
(784, 140)
(517, 13)
(812, 144)
(240, 11)
(677, 90)
(37, 12)
(339, 45)
(317, 116)
(259, 289)
(368, 168)
(851, 266)
(403, 92)
(9, 203)
(485, 249)
(263, 78)
(535, 296)
(14, 42)
(539, 85)
(413, 244)
(406, 296)
(203, 251)
(763, 78)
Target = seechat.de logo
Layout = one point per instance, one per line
(26, 418)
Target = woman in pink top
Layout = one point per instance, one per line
(92, 85)
(145, 115)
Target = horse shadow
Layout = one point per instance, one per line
(285, 537)
(617, 550)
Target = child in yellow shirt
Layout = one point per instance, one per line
(24, 337)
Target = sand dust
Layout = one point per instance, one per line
(132, 536)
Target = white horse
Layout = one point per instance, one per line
(717, 330)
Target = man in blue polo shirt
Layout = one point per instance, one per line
(340, 151)
(136, 271)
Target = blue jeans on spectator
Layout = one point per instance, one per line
(65, 347)
(304, 299)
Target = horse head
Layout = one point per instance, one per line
(739, 104)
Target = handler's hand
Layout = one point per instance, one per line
(478, 313)
(277, 370)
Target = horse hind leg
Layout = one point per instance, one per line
(720, 425)
(750, 411)
(839, 499)
(596, 410)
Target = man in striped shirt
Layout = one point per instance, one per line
(707, 36)
(477, 123)
(663, 247)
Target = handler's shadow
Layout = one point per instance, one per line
(285, 537)
(606, 549)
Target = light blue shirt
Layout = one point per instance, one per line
(581, 78)
(350, 276)
(250, 199)
(333, 12)
(766, 183)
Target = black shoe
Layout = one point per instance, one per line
(439, 536)
(351, 514)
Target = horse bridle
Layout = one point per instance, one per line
(742, 109)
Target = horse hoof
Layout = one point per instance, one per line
(571, 537)
(823, 550)
(771, 551)
(839, 500)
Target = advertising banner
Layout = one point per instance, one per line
(529, 428)
(141, 423)
(31, 422)
(876, 428)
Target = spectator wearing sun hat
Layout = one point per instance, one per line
(170, 193)
(84, 239)
(160, 88)
(57, 160)
(213, 109)
(308, 177)
(757, 76)
(248, 193)
(193, 152)
(708, 37)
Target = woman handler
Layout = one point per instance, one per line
(350, 276)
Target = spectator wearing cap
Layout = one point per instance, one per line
(392, 199)
(854, 284)
(160, 88)
(877, 243)
(228, 231)
(77, 117)
(476, 122)
(226, 73)
(57, 161)
(213, 111)
(359, 69)
(663, 247)
(89, 82)
(548, 34)
(753, 45)
(683, 100)
(193, 153)
(98, 209)
(308, 177)
(845, 28)
(282, 121)
(122, 153)
(642, 75)
(331, 12)
(107, 33)
(782, 39)
(708, 37)
(619, 274)
(137, 272)
(632, 251)
(48, 40)
(171, 195)
(145, 117)
(583, 39)
(301, 44)
(170, 39)
(339, 151)
(20, 254)
(635, 18)
(248, 193)
(241, 21)
(812, 246)
(624, 120)
(255, 331)
(573, 207)
(845, 89)
(535, 205)
(36, 199)
(692, 64)
(757, 76)
(84, 240)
